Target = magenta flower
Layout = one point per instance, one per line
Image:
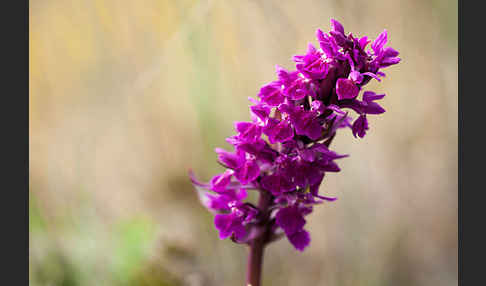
(283, 152)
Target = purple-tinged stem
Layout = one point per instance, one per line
(257, 245)
(255, 262)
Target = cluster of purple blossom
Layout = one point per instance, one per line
(299, 113)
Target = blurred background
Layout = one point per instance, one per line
(126, 96)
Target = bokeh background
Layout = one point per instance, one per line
(126, 96)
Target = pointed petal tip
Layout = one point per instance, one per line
(336, 26)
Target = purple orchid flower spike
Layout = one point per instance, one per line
(283, 153)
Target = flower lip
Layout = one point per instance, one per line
(346, 89)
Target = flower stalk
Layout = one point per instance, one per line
(257, 245)
(255, 262)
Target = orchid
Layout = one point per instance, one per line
(283, 152)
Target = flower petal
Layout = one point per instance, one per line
(346, 89)
(300, 240)
(290, 219)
